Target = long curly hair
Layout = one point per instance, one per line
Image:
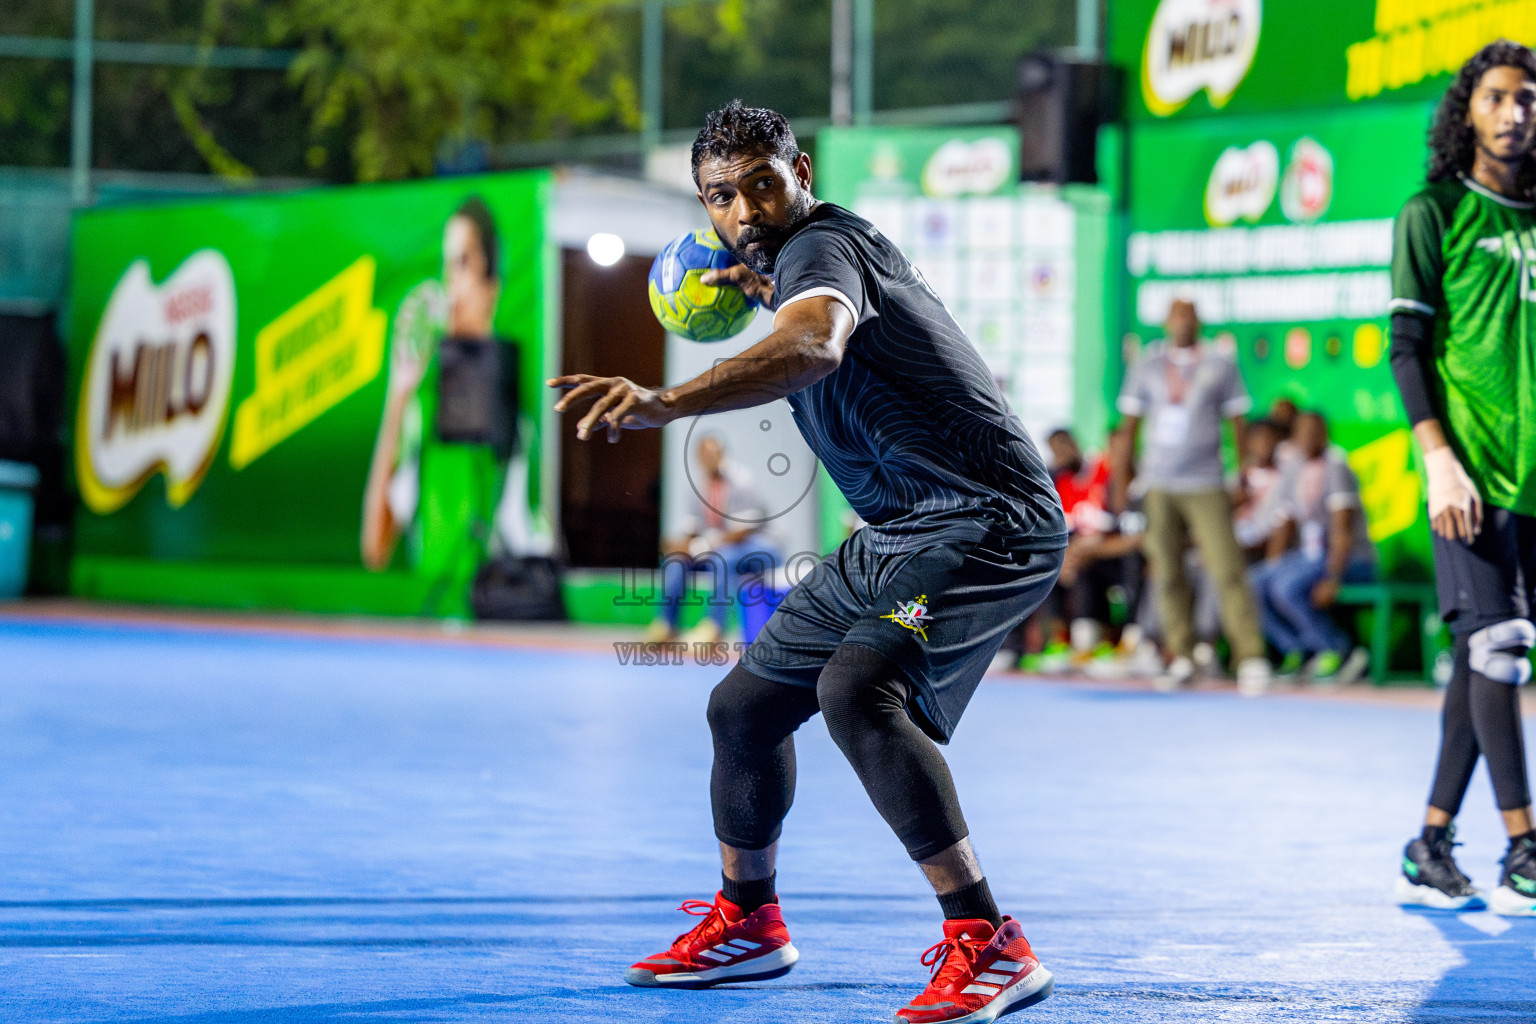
(1452, 142)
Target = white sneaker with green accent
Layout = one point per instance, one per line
(1516, 894)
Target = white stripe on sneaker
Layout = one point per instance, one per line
(734, 946)
(994, 979)
(713, 955)
(985, 990)
(1006, 965)
(748, 945)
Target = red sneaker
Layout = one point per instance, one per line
(725, 946)
(979, 975)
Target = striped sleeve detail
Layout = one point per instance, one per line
(1412, 306)
(812, 293)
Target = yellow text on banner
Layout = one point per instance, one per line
(1390, 489)
(326, 347)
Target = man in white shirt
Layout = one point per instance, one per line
(1184, 390)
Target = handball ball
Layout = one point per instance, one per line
(687, 306)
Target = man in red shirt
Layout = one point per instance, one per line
(1097, 550)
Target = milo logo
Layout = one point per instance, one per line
(1198, 44)
(155, 392)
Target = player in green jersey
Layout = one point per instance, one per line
(1464, 357)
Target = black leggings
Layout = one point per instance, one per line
(863, 697)
(1481, 715)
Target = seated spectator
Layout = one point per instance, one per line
(1101, 556)
(1254, 503)
(726, 534)
(1082, 484)
(1319, 544)
(1283, 413)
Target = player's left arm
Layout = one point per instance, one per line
(1455, 505)
(807, 343)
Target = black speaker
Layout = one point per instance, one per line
(1060, 104)
(477, 393)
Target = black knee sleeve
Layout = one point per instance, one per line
(1458, 740)
(863, 697)
(859, 692)
(1499, 667)
(752, 782)
(1500, 735)
(1482, 716)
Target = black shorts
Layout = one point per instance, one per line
(939, 613)
(1490, 580)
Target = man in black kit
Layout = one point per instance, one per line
(889, 635)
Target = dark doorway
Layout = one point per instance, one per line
(610, 494)
(31, 431)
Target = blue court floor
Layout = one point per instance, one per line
(200, 825)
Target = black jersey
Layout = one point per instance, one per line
(912, 426)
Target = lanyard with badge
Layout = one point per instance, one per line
(1170, 427)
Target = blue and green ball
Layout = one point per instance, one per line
(684, 304)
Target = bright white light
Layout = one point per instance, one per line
(605, 249)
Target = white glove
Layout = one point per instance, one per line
(1451, 488)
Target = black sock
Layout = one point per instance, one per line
(1514, 841)
(1434, 833)
(971, 903)
(751, 893)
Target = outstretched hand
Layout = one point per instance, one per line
(618, 403)
(757, 286)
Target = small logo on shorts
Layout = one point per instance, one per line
(912, 615)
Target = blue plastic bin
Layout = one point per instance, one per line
(17, 481)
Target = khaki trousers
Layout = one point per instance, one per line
(1205, 517)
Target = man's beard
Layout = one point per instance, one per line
(758, 246)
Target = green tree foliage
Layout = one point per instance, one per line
(926, 52)
(148, 118)
(415, 75)
(380, 89)
(386, 88)
(961, 51)
(34, 94)
(773, 53)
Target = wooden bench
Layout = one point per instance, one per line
(1384, 597)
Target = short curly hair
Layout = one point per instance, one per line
(738, 129)
(1452, 142)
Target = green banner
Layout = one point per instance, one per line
(256, 388)
(1280, 229)
(1198, 57)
